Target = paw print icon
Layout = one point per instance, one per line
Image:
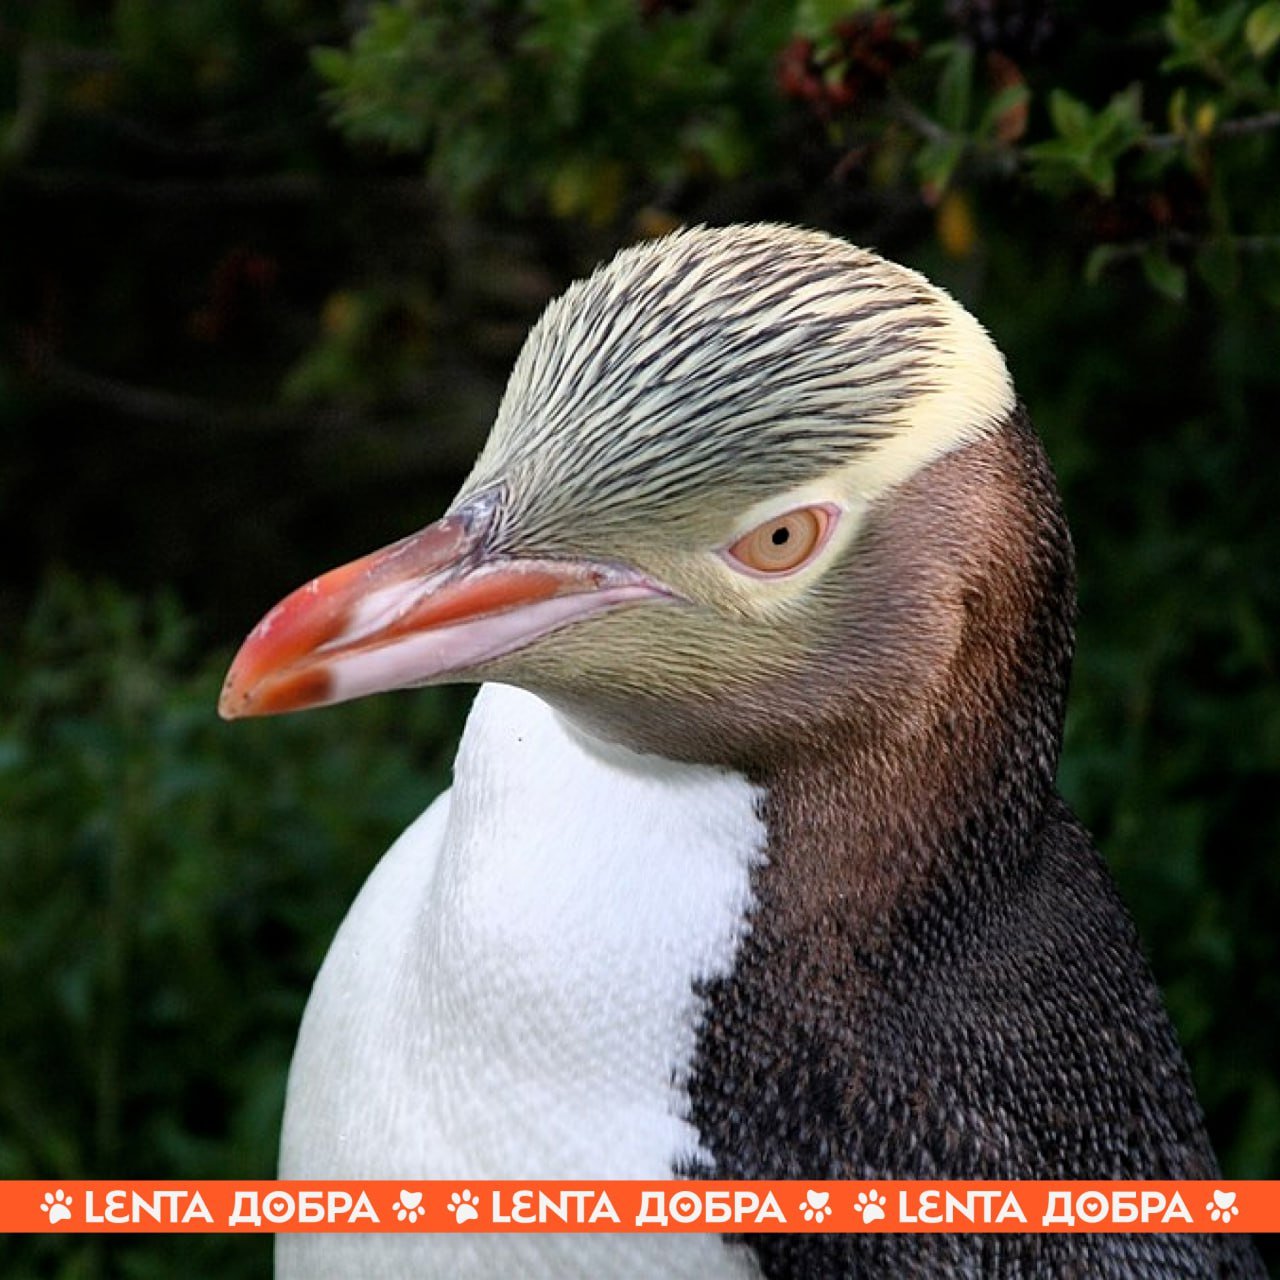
(57, 1204)
(1223, 1207)
(409, 1207)
(816, 1206)
(871, 1205)
(463, 1206)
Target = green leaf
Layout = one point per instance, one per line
(1056, 164)
(1006, 101)
(1123, 114)
(955, 87)
(1185, 27)
(1098, 262)
(333, 65)
(936, 162)
(1184, 16)
(1071, 118)
(1099, 168)
(1224, 26)
(1262, 30)
(815, 18)
(1164, 275)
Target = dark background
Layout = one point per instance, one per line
(257, 304)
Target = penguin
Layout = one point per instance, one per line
(753, 865)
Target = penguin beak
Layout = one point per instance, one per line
(428, 609)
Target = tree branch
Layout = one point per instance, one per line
(1264, 122)
(996, 156)
(1190, 240)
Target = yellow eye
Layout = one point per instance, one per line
(783, 544)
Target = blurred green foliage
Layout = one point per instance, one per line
(238, 345)
(168, 886)
(566, 101)
(584, 108)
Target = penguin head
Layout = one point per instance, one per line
(703, 521)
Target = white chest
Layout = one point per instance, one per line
(513, 993)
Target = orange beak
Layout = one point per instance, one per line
(430, 608)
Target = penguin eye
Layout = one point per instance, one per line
(783, 544)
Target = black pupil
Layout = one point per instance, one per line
(781, 536)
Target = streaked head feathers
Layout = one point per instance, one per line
(740, 361)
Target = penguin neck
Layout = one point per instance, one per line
(860, 836)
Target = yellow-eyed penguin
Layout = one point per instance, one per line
(753, 864)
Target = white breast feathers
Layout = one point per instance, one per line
(513, 995)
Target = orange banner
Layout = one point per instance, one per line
(585, 1206)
